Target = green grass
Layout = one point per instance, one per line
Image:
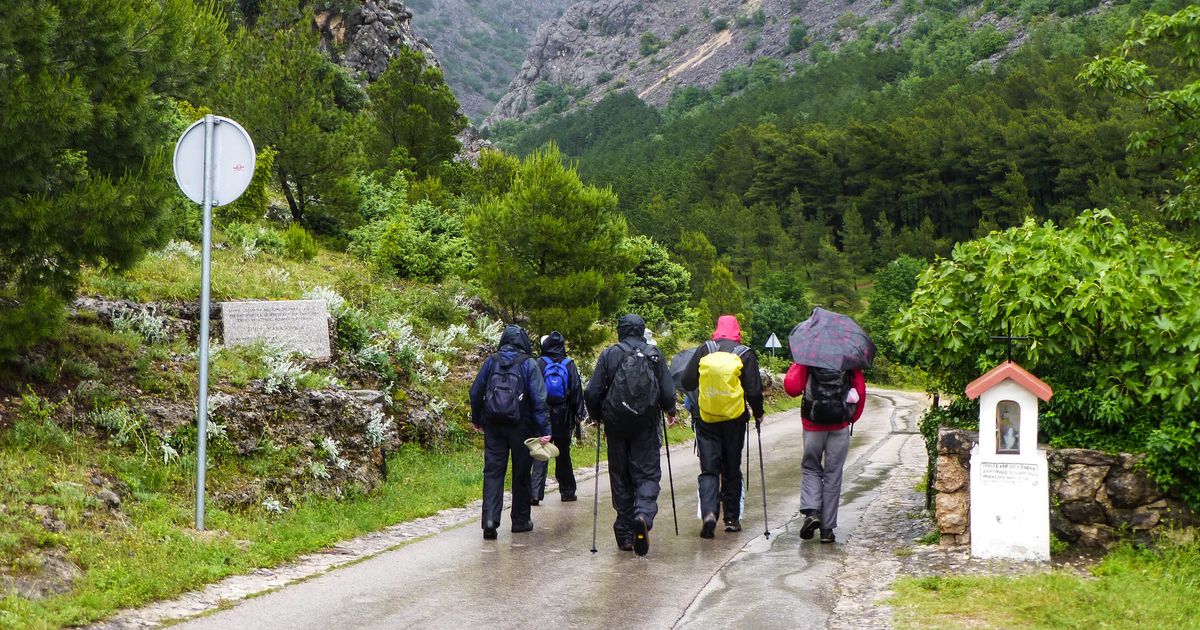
(1131, 588)
(156, 555)
(265, 276)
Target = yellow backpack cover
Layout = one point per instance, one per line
(721, 395)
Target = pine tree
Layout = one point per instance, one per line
(554, 250)
(856, 242)
(413, 112)
(722, 293)
(698, 256)
(886, 247)
(659, 290)
(833, 280)
(88, 110)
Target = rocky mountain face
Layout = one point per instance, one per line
(481, 43)
(656, 47)
(365, 39)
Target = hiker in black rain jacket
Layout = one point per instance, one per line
(633, 452)
(502, 437)
(563, 418)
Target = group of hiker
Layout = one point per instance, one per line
(520, 402)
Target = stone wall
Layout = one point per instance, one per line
(1096, 498)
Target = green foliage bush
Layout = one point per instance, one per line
(892, 293)
(35, 427)
(298, 244)
(659, 291)
(417, 240)
(1110, 313)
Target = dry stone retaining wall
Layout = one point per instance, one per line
(1095, 498)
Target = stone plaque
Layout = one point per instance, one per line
(1012, 474)
(297, 325)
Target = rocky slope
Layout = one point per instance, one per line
(481, 43)
(654, 48)
(363, 40)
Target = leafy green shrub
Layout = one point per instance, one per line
(1112, 322)
(298, 244)
(143, 323)
(720, 24)
(253, 237)
(604, 77)
(35, 428)
(1173, 457)
(650, 44)
(418, 240)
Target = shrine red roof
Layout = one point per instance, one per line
(1009, 370)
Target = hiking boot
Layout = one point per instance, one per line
(522, 526)
(733, 525)
(568, 497)
(534, 502)
(641, 535)
(625, 545)
(708, 530)
(489, 531)
(827, 535)
(811, 525)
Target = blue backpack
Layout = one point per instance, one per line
(557, 379)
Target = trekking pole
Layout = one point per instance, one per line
(596, 489)
(746, 477)
(763, 478)
(670, 477)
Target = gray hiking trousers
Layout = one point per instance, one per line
(821, 486)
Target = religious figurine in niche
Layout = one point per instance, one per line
(1008, 427)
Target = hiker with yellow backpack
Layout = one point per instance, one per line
(729, 389)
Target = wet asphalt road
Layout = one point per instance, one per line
(548, 577)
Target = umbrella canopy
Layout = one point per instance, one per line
(832, 341)
(679, 363)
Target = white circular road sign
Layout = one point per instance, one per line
(233, 161)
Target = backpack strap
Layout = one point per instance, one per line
(741, 351)
(711, 346)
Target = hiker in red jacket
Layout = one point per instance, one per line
(833, 400)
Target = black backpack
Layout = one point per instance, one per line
(825, 397)
(633, 395)
(505, 394)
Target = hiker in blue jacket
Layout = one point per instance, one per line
(508, 403)
(564, 397)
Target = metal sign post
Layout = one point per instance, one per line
(221, 154)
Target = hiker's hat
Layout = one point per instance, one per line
(541, 452)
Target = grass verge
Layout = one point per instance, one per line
(150, 552)
(1131, 588)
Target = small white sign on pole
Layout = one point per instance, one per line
(214, 163)
(772, 343)
(233, 161)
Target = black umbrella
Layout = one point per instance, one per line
(832, 341)
(679, 363)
